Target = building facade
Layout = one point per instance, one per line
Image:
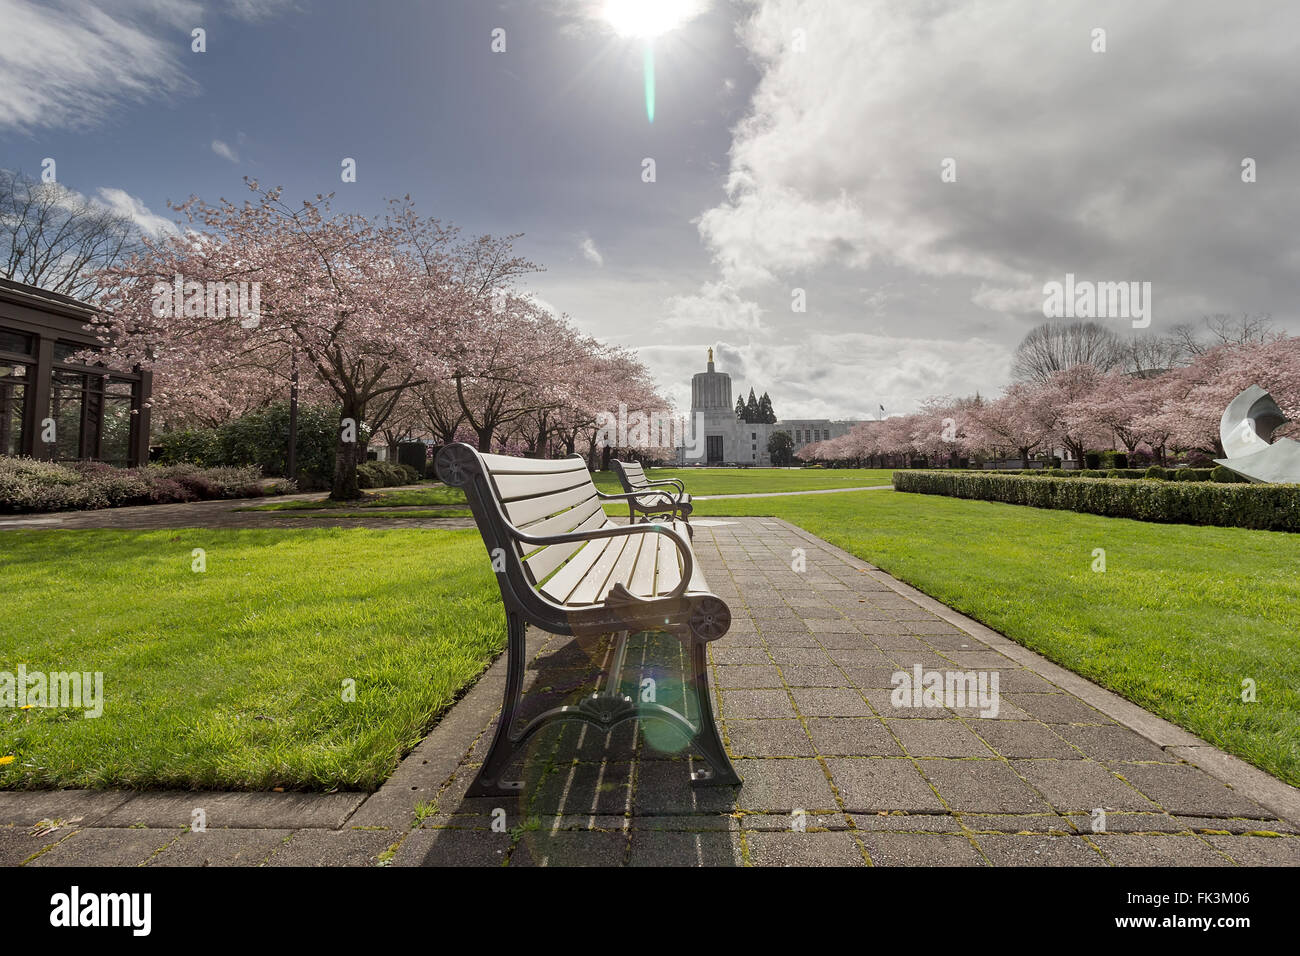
(55, 409)
(723, 440)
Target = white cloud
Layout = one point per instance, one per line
(224, 150)
(1121, 166)
(591, 253)
(64, 66)
(1019, 300)
(717, 307)
(834, 375)
(123, 203)
(67, 64)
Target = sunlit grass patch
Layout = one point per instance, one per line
(234, 677)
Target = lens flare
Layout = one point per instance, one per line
(650, 80)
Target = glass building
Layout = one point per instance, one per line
(52, 407)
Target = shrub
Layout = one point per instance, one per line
(1226, 476)
(1259, 506)
(1155, 471)
(28, 485)
(261, 438)
(199, 446)
(385, 474)
(1091, 459)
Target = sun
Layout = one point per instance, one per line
(648, 18)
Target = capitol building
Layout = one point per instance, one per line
(729, 441)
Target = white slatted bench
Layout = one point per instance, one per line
(649, 500)
(565, 568)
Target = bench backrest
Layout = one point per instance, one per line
(539, 496)
(630, 473)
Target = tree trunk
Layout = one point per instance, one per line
(346, 457)
(484, 439)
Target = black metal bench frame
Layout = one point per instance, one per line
(639, 491)
(693, 617)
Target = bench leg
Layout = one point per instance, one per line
(488, 783)
(720, 772)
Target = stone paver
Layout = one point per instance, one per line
(839, 769)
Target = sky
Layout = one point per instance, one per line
(910, 172)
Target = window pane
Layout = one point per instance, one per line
(115, 436)
(67, 402)
(12, 341)
(63, 351)
(13, 402)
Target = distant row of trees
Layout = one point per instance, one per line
(1088, 403)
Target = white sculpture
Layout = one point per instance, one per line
(1245, 429)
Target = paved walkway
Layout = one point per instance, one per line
(1065, 774)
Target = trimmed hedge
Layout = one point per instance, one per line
(1218, 473)
(1262, 507)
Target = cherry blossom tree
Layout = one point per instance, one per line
(365, 310)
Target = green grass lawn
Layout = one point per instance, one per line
(433, 495)
(1179, 618)
(233, 678)
(698, 481)
(749, 481)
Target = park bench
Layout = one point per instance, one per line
(567, 569)
(648, 499)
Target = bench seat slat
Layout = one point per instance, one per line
(627, 561)
(669, 569)
(561, 586)
(641, 580)
(590, 588)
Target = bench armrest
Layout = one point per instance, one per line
(681, 487)
(631, 495)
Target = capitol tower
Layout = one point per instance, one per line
(731, 442)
